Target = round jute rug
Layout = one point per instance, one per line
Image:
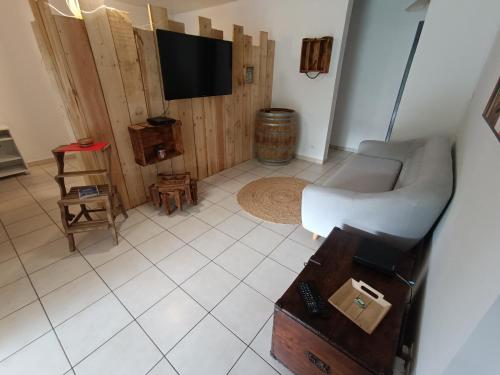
(275, 199)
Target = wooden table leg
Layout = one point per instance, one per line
(155, 198)
(194, 191)
(178, 199)
(166, 203)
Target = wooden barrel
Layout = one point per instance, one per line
(275, 135)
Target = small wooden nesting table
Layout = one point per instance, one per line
(176, 186)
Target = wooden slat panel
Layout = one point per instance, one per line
(82, 67)
(151, 79)
(205, 26)
(229, 141)
(238, 67)
(158, 17)
(222, 163)
(186, 162)
(199, 136)
(263, 68)
(269, 73)
(177, 162)
(247, 101)
(101, 41)
(185, 114)
(128, 59)
(211, 135)
(217, 34)
(65, 82)
(178, 27)
(255, 94)
(126, 51)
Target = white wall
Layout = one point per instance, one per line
(288, 21)
(29, 102)
(462, 283)
(380, 37)
(479, 354)
(453, 47)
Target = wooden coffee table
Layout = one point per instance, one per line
(335, 345)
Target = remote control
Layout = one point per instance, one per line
(313, 301)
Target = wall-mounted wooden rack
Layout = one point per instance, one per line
(146, 140)
(315, 55)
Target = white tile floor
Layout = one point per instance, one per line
(189, 293)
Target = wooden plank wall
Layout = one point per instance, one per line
(109, 76)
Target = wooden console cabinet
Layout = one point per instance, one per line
(334, 345)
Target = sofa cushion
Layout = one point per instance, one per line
(366, 174)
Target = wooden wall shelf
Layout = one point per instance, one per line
(315, 55)
(146, 140)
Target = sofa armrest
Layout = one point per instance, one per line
(387, 150)
(394, 215)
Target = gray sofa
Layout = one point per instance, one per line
(394, 191)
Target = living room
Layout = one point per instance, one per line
(196, 193)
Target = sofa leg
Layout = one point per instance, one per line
(315, 236)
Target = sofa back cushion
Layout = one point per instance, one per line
(366, 174)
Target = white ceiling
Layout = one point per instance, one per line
(179, 6)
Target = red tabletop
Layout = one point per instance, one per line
(75, 147)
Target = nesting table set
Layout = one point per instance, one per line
(173, 186)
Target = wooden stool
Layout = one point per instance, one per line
(176, 186)
(108, 198)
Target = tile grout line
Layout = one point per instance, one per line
(153, 264)
(41, 305)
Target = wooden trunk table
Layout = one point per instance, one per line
(335, 345)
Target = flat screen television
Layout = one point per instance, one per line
(194, 66)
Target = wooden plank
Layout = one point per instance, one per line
(263, 68)
(101, 41)
(269, 73)
(238, 77)
(178, 27)
(217, 34)
(222, 162)
(199, 136)
(255, 94)
(186, 116)
(211, 135)
(128, 59)
(247, 100)
(177, 162)
(53, 47)
(158, 17)
(229, 141)
(151, 79)
(187, 162)
(75, 43)
(205, 27)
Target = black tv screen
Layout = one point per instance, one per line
(194, 66)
